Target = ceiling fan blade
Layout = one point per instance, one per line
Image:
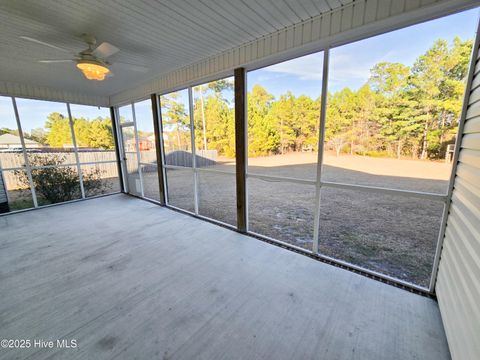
(44, 43)
(55, 61)
(105, 50)
(131, 67)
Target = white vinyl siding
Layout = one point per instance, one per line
(458, 282)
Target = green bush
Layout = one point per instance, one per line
(377, 153)
(58, 183)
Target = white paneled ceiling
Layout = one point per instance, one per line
(161, 35)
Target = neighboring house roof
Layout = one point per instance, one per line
(143, 138)
(8, 139)
(140, 139)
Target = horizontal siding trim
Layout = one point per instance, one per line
(476, 83)
(474, 95)
(477, 68)
(466, 283)
(455, 313)
(469, 203)
(468, 225)
(351, 22)
(473, 111)
(468, 173)
(472, 125)
(471, 141)
(470, 157)
(448, 310)
(458, 284)
(463, 285)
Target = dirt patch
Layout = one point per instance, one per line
(419, 169)
(390, 234)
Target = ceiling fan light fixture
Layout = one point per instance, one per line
(93, 70)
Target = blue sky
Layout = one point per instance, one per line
(33, 113)
(182, 98)
(143, 115)
(349, 66)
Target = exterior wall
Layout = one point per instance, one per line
(348, 23)
(458, 281)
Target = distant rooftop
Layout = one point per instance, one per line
(10, 139)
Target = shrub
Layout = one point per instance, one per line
(59, 183)
(376, 153)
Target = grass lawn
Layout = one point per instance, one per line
(390, 234)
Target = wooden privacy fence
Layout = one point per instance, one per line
(15, 159)
(12, 160)
(106, 170)
(176, 158)
(184, 158)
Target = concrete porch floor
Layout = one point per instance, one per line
(128, 279)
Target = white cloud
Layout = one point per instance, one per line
(306, 68)
(344, 68)
(352, 68)
(347, 67)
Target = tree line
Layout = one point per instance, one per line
(213, 115)
(94, 133)
(400, 111)
(403, 111)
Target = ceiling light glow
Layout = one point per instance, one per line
(93, 70)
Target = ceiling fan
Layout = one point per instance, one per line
(92, 62)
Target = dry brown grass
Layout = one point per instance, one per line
(390, 234)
